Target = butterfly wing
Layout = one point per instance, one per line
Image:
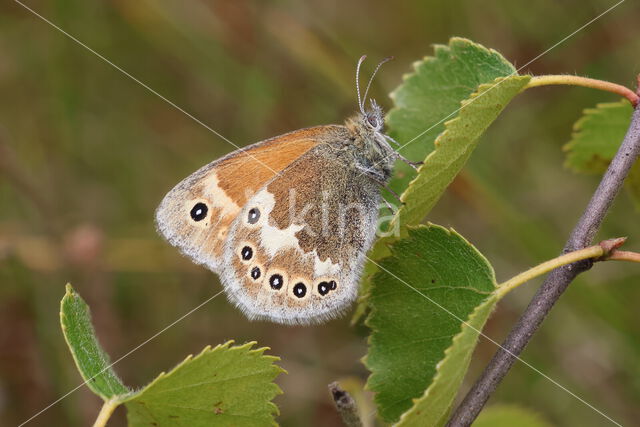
(295, 251)
(196, 214)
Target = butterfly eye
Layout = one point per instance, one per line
(372, 121)
(246, 253)
(253, 216)
(300, 290)
(275, 281)
(199, 211)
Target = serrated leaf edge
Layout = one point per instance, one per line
(480, 90)
(437, 47)
(578, 128)
(246, 347)
(386, 241)
(372, 310)
(391, 244)
(447, 353)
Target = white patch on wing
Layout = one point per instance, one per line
(272, 238)
(218, 197)
(325, 268)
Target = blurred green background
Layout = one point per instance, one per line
(86, 154)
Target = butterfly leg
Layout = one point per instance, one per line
(393, 193)
(391, 208)
(414, 165)
(380, 181)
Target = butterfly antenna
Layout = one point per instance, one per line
(387, 59)
(360, 103)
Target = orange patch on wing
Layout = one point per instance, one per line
(243, 174)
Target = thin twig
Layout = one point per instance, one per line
(599, 252)
(346, 406)
(556, 282)
(565, 79)
(624, 256)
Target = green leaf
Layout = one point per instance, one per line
(221, 386)
(226, 385)
(91, 360)
(433, 280)
(429, 303)
(595, 139)
(597, 135)
(455, 145)
(508, 416)
(466, 79)
(432, 409)
(432, 94)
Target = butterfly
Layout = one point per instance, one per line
(286, 223)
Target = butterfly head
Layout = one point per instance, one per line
(373, 118)
(367, 128)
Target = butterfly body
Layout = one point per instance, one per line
(286, 222)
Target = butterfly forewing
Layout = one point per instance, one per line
(196, 214)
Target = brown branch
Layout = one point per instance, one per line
(556, 282)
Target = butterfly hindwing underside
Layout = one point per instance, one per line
(294, 253)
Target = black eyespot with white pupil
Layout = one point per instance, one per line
(246, 253)
(253, 216)
(255, 273)
(299, 290)
(324, 288)
(199, 211)
(275, 281)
